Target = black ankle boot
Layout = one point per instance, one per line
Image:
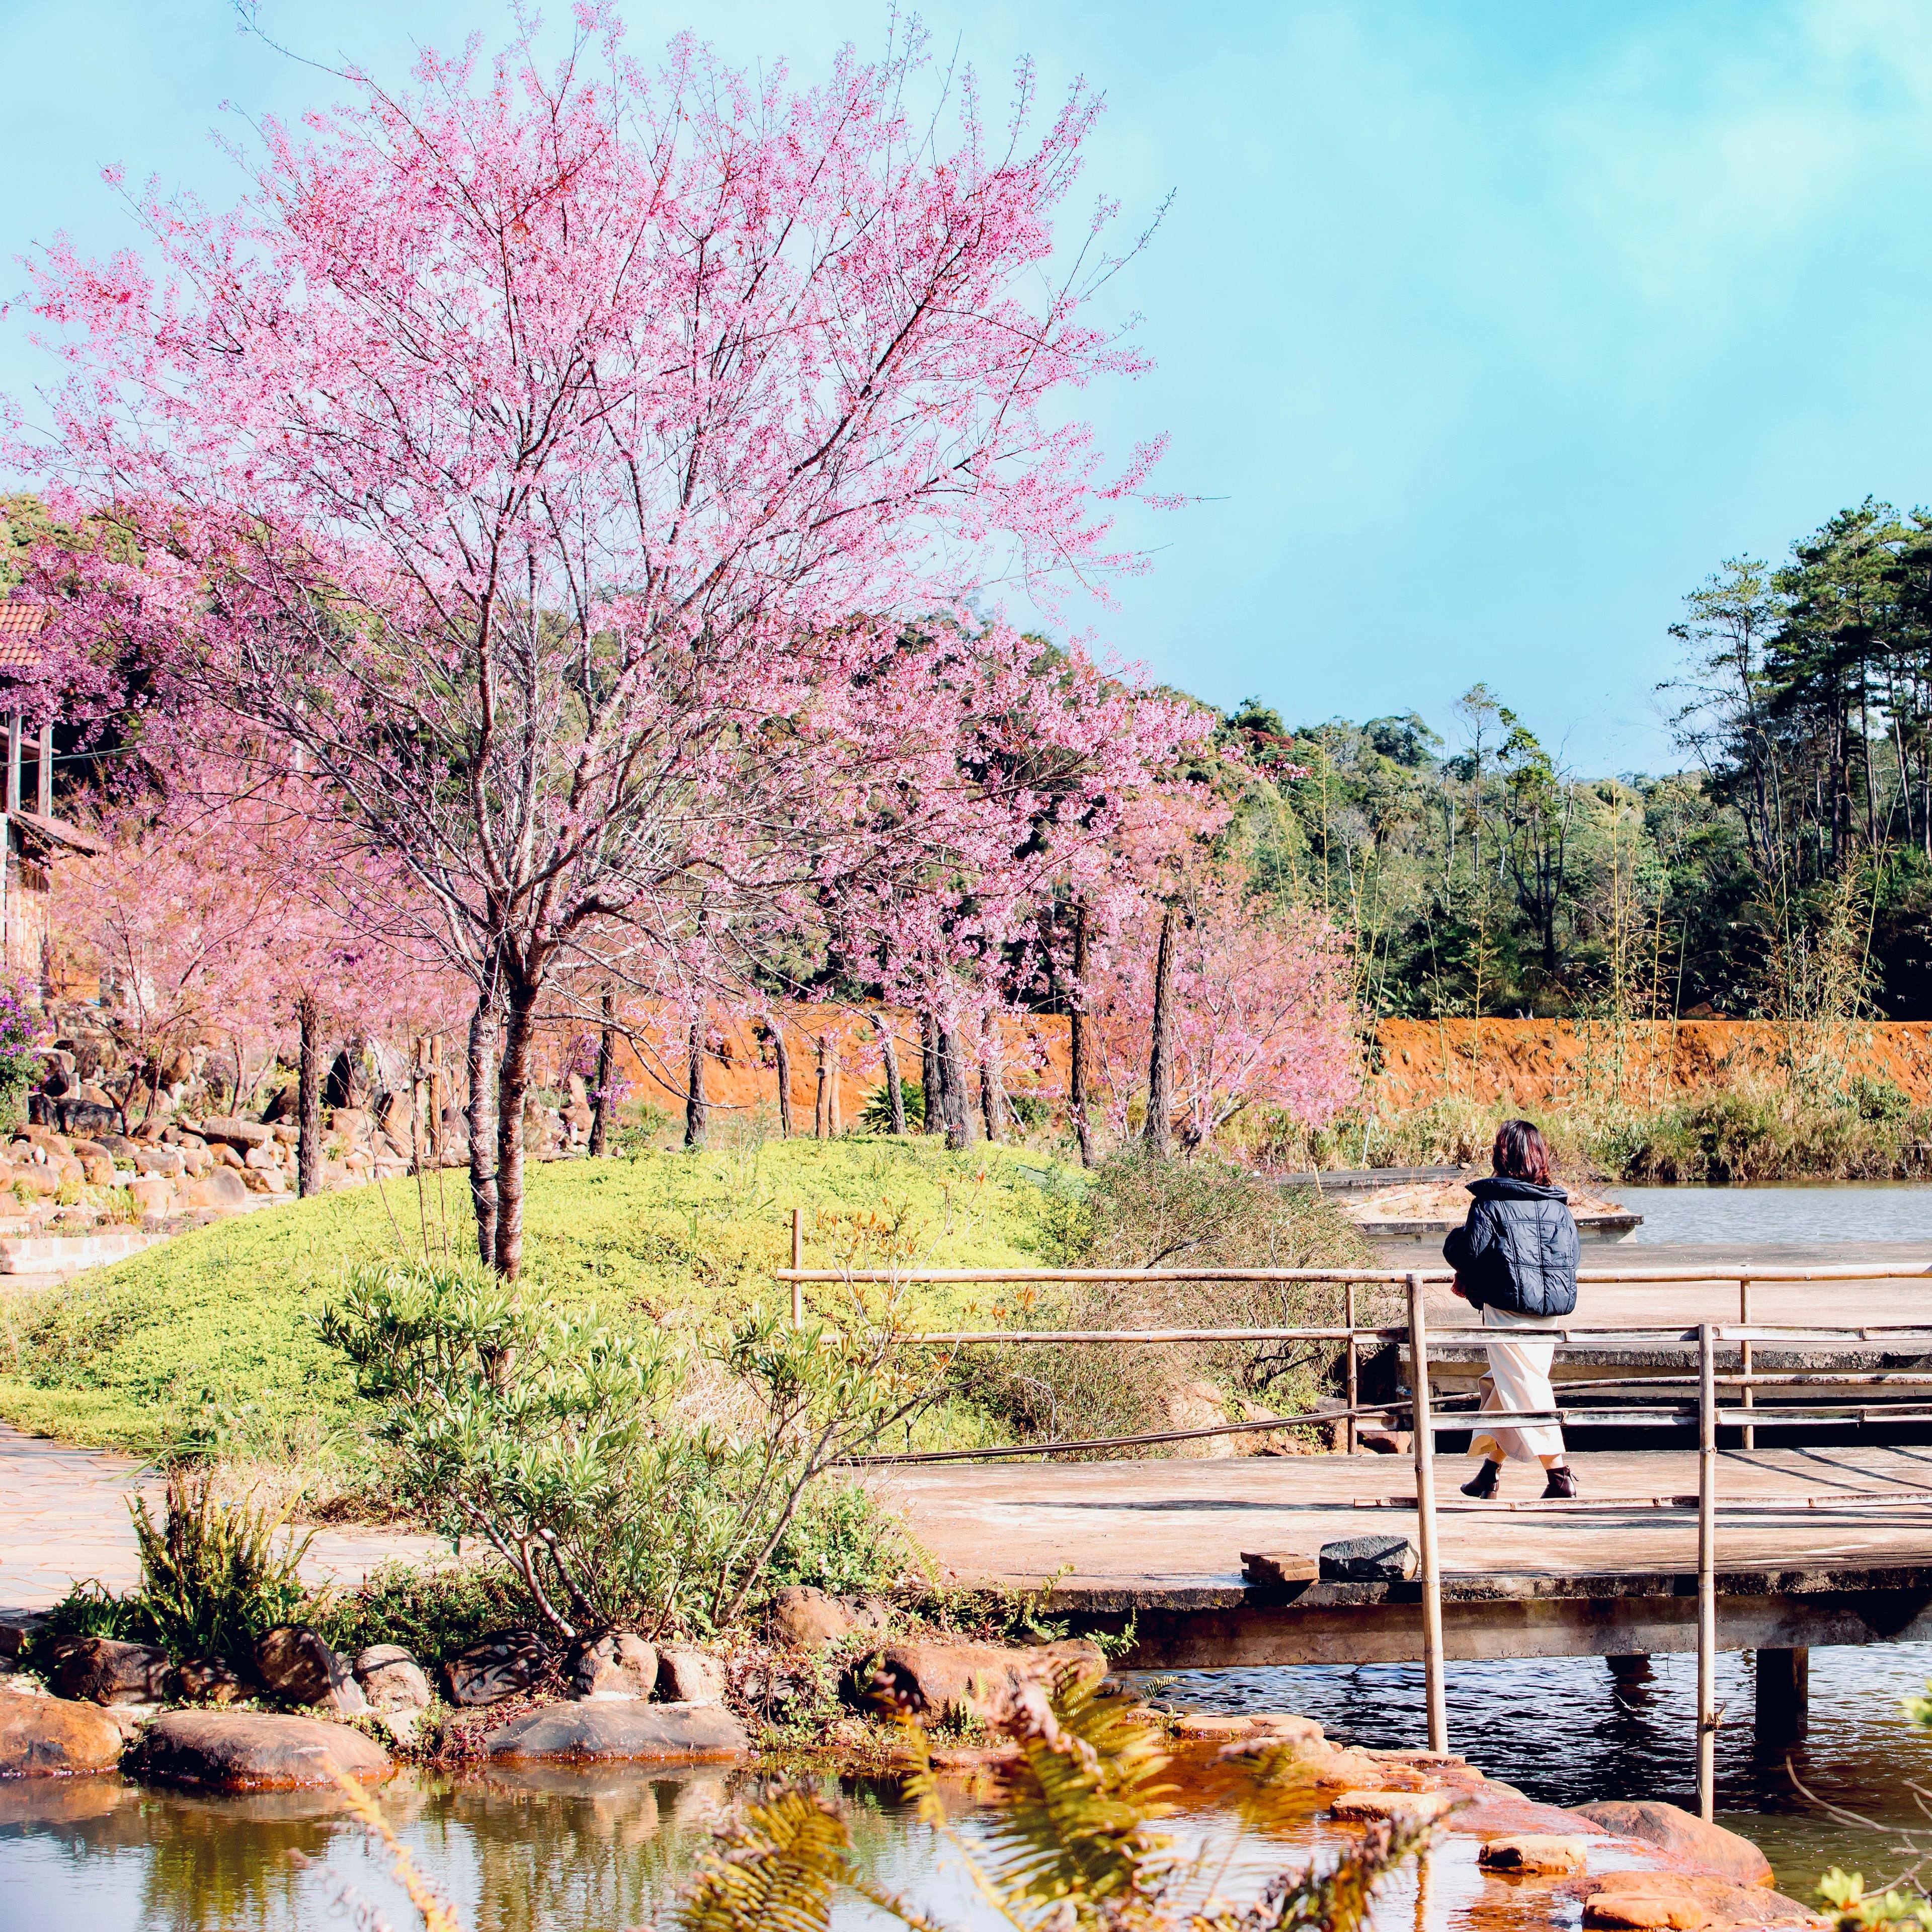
(1562, 1482)
(1483, 1484)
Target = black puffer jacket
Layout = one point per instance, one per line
(1518, 1250)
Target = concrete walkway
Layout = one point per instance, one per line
(64, 1519)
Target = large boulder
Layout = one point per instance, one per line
(619, 1663)
(251, 1751)
(51, 1737)
(581, 1732)
(240, 1134)
(392, 1679)
(1656, 1901)
(494, 1667)
(1709, 1848)
(221, 1188)
(960, 1680)
(295, 1665)
(104, 1670)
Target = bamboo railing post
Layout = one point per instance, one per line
(1423, 1434)
(1744, 1357)
(797, 1263)
(1707, 1575)
(1353, 1359)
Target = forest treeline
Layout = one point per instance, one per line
(1784, 872)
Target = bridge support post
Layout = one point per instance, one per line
(1784, 1697)
(1422, 1432)
(1707, 1575)
(1352, 1388)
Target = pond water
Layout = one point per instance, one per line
(1824, 1211)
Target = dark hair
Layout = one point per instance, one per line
(1521, 1152)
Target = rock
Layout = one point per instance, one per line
(241, 1134)
(221, 1188)
(955, 1680)
(168, 1162)
(16, 1633)
(619, 1663)
(52, 1737)
(261, 1158)
(155, 1198)
(1261, 1727)
(1278, 1567)
(205, 1680)
(249, 1750)
(1534, 1851)
(295, 1665)
(1709, 1847)
(1407, 1808)
(494, 1667)
(688, 1676)
(1652, 1901)
(1368, 1559)
(104, 1671)
(810, 1618)
(392, 1679)
(98, 1167)
(582, 1732)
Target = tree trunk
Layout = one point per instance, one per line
(481, 1110)
(1160, 1053)
(834, 1111)
(308, 1099)
(992, 1087)
(607, 1070)
(894, 1093)
(513, 1087)
(783, 1054)
(952, 1087)
(931, 1080)
(1076, 1027)
(819, 1096)
(697, 1114)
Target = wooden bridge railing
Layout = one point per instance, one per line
(1704, 1411)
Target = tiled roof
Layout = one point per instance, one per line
(19, 625)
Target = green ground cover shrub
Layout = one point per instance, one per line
(1141, 1213)
(209, 1340)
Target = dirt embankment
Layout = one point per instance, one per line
(1642, 1063)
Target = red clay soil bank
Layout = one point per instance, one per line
(1645, 1062)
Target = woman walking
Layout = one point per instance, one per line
(1515, 1258)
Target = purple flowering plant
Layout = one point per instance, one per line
(24, 1035)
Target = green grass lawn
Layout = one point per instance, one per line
(215, 1327)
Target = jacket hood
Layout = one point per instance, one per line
(1506, 1187)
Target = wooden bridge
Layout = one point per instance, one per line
(1690, 1546)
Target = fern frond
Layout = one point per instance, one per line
(1073, 1827)
(775, 1872)
(1335, 1898)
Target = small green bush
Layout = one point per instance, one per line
(838, 1541)
(432, 1613)
(212, 1579)
(877, 1116)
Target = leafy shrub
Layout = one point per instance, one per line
(554, 1439)
(91, 1609)
(838, 1541)
(877, 1116)
(1878, 1099)
(1139, 1212)
(212, 1579)
(431, 1612)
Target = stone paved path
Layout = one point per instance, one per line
(64, 1519)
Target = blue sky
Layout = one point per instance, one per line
(1483, 330)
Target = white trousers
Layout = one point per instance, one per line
(1519, 1378)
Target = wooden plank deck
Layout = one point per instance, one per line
(1816, 1546)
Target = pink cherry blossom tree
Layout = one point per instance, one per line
(1260, 1010)
(530, 452)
